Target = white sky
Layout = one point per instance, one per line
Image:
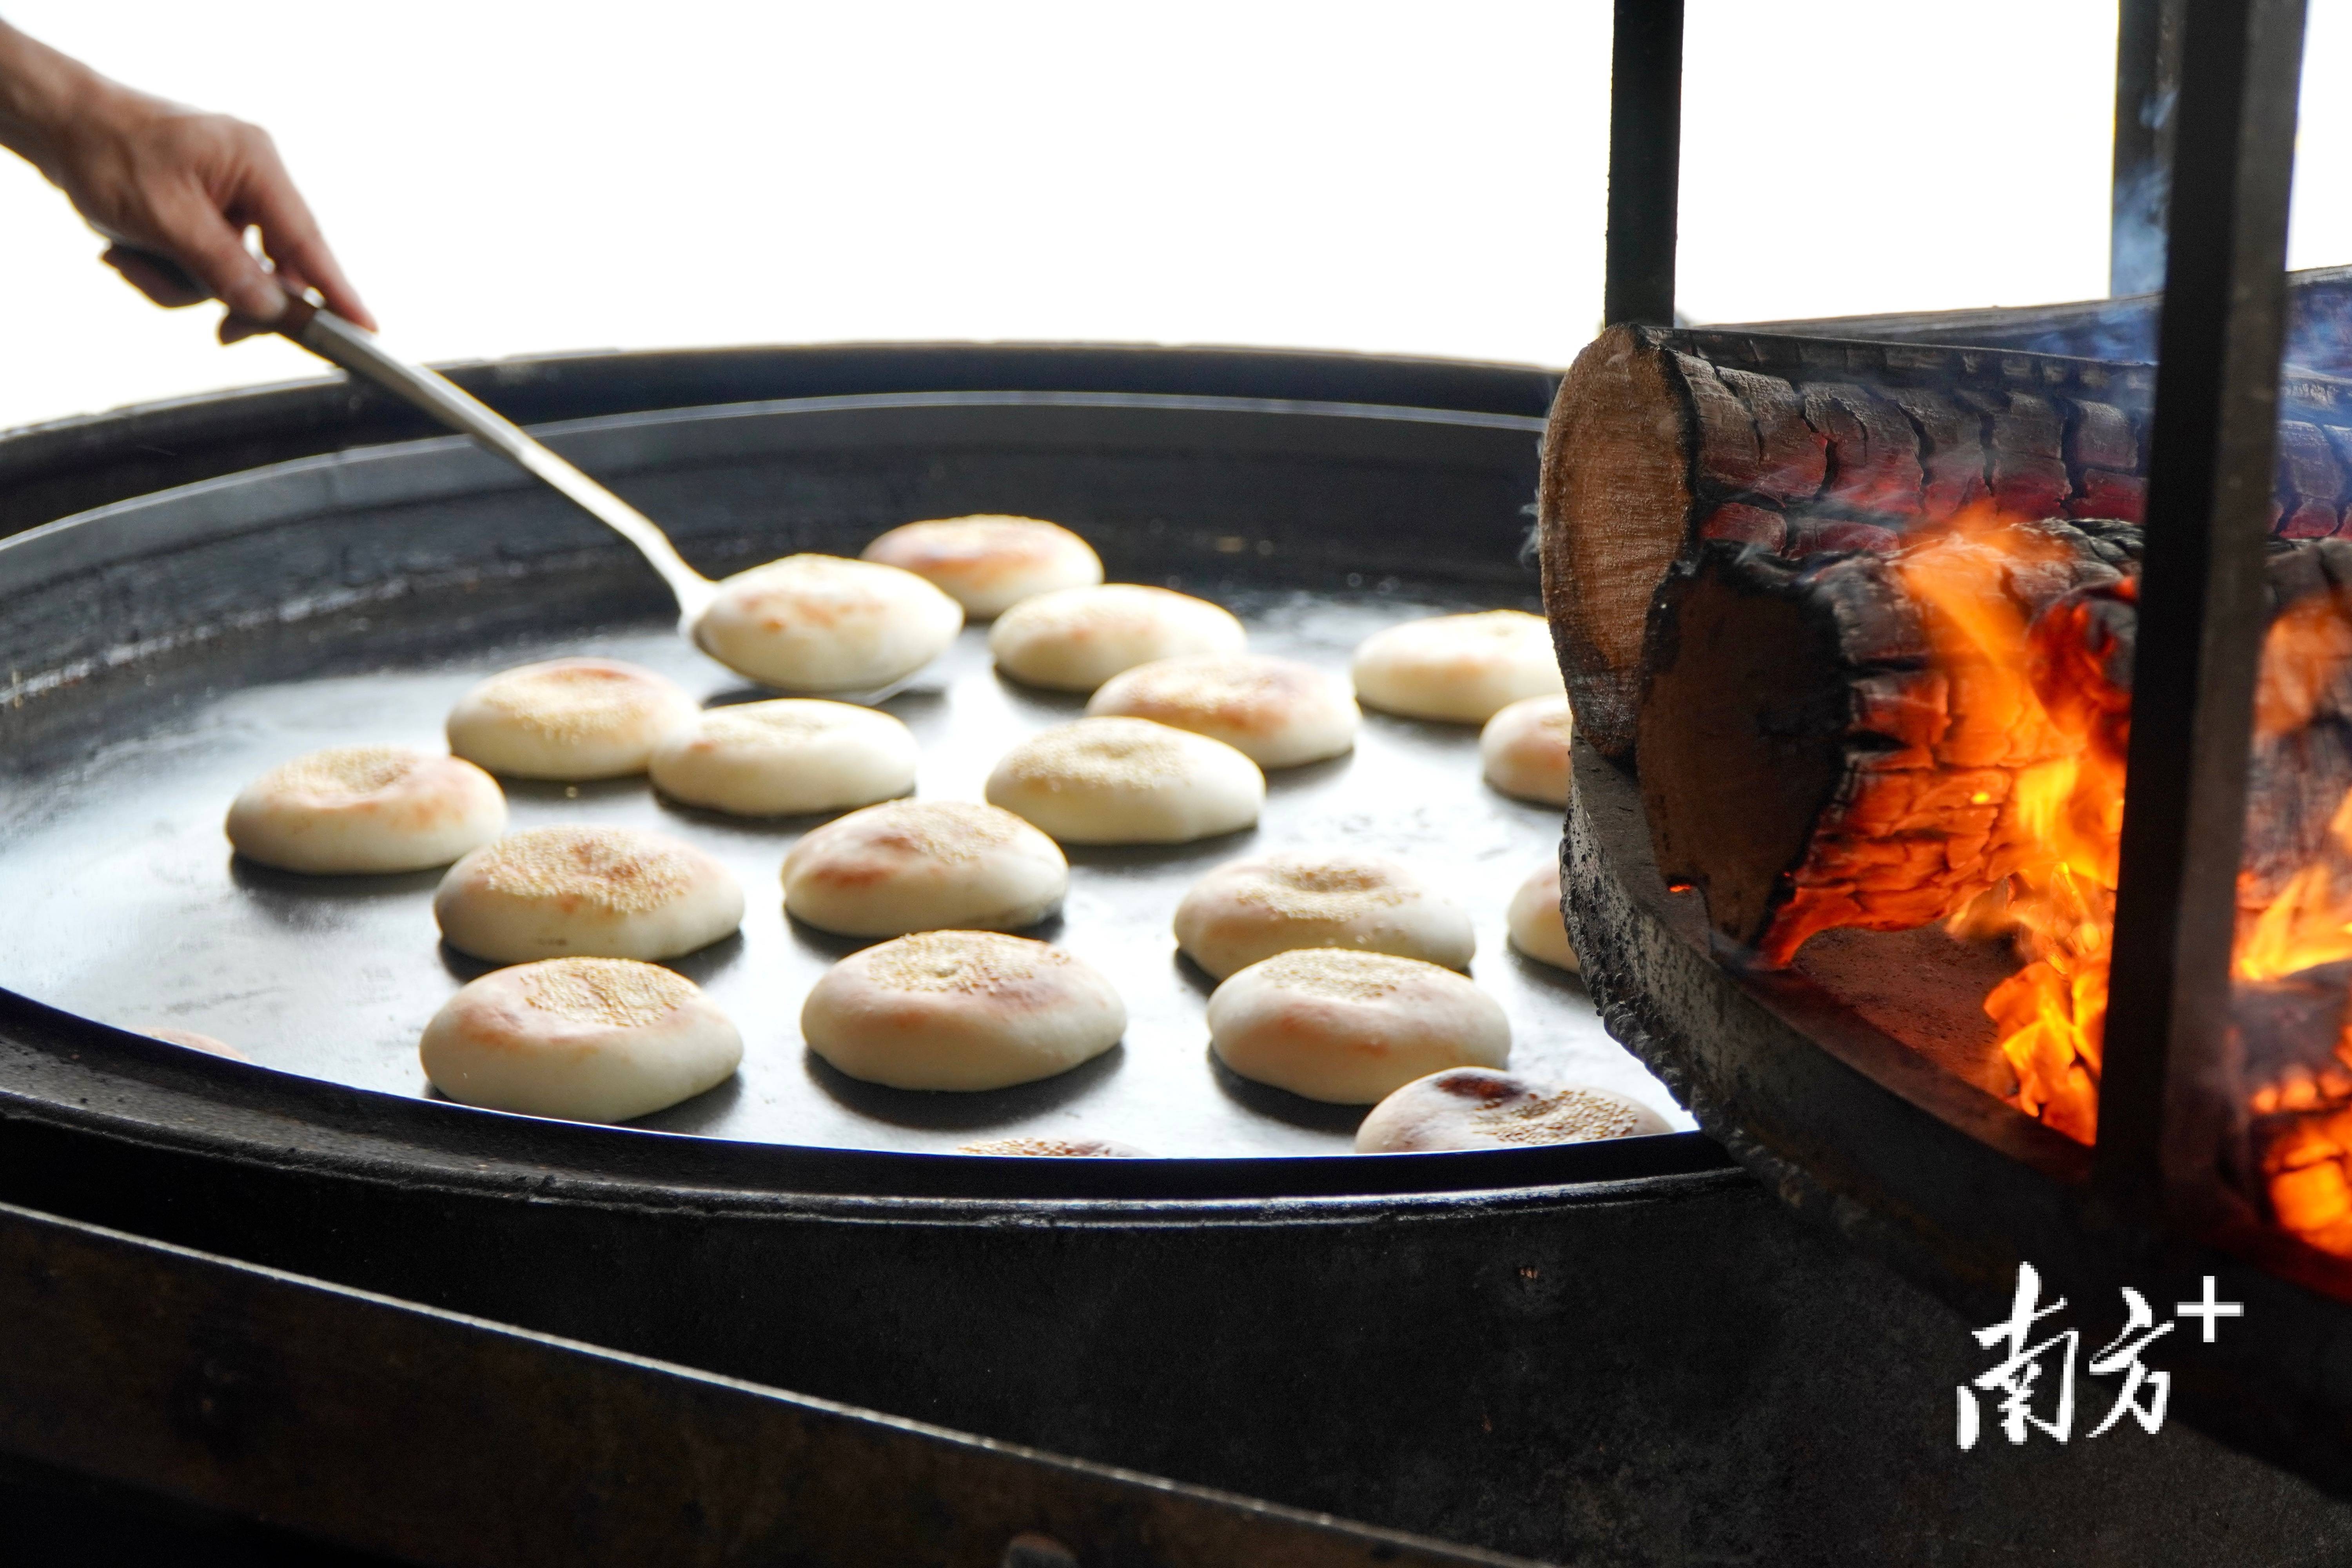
(508, 176)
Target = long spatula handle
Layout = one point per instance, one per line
(356, 350)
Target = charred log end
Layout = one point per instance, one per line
(1615, 509)
(1742, 725)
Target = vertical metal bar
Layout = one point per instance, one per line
(2201, 613)
(1645, 152)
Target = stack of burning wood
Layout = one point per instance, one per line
(1861, 616)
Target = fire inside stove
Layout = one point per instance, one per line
(1862, 617)
(2012, 727)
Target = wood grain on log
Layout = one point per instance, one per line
(2319, 325)
(1662, 439)
(1809, 764)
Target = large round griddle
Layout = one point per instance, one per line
(163, 650)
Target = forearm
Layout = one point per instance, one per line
(41, 92)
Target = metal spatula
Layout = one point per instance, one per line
(356, 350)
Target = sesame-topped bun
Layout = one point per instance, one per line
(1277, 712)
(189, 1039)
(589, 1039)
(606, 892)
(1524, 749)
(989, 563)
(786, 757)
(1246, 910)
(1057, 1148)
(1460, 669)
(1349, 1028)
(1473, 1107)
(567, 718)
(1537, 927)
(1127, 780)
(961, 1010)
(1075, 639)
(366, 808)
(924, 865)
(821, 623)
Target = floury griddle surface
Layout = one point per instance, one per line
(119, 900)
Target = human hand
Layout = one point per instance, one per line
(161, 180)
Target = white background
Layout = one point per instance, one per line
(504, 176)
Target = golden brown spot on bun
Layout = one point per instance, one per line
(1301, 887)
(949, 831)
(346, 772)
(572, 700)
(960, 961)
(609, 868)
(990, 539)
(1239, 693)
(1566, 1115)
(1102, 753)
(617, 992)
(1341, 974)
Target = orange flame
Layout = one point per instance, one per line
(2309, 923)
(2042, 680)
(2058, 904)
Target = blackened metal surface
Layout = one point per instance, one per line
(1950, 1186)
(439, 1439)
(1645, 131)
(56, 469)
(2164, 1096)
(413, 573)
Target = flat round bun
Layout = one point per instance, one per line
(821, 623)
(1247, 910)
(961, 1010)
(924, 865)
(1056, 1148)
(1536, 929)
(1075, 639)
(1350, 1029)
(588, 1039)
(989, 563)
(1473, 1107)
(601, 892)
(366, 808)
(1277, 712)
(189, 1039)
(568, 719)
(786, 758)
(1462, 669)
(1127, 780)
(1524, 749)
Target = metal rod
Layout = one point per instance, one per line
(1645, 137)
(340, 342)
(2148, 90)
(2213, 446)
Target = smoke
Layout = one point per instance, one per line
(2143, 202)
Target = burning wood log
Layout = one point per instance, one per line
(1888, 741)
(1810, 758)
(1819, 748)
(1662, 440)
